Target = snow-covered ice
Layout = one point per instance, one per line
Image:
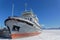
(50, 35)
(45, 35)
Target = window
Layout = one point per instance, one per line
(15, 28)
(25, 18)
(30, 19)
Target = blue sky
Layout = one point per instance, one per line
(48, 11)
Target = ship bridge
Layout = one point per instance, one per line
(29, 15)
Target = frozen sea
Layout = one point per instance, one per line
(45, 35)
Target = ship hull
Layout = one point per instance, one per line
(20, 29)
(18, 35)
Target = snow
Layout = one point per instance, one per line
(45, 35)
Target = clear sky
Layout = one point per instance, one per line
(48, 11)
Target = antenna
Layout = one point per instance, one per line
(31, 10)
(12, 9)
(25, 6)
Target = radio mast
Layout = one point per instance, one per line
(25, 6)
(12, 10)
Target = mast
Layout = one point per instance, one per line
(25, 6)
(12, 10)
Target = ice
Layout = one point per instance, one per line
(50, 35)
(45, 35)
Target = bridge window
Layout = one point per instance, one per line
(25, 18)
(30, 19)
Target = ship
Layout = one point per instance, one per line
(26, 25)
